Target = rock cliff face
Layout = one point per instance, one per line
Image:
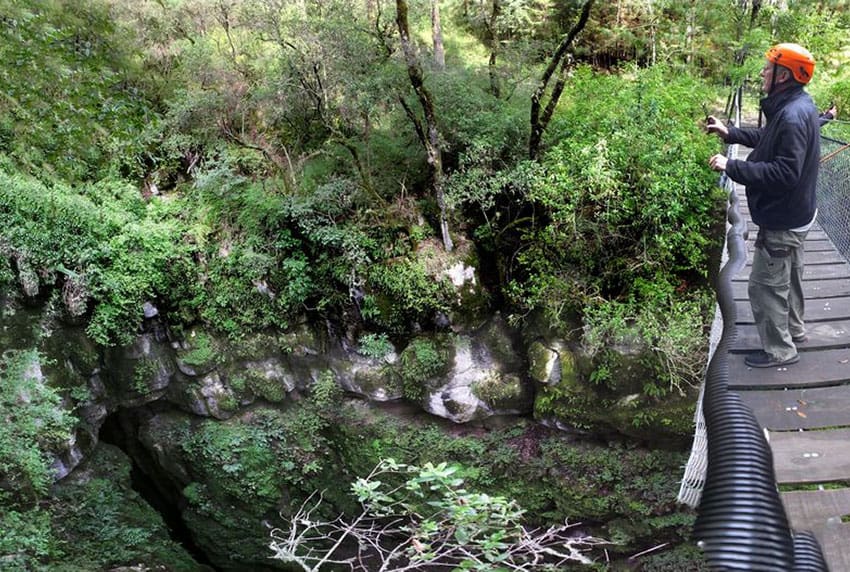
(233, 432)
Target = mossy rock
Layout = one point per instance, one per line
(502, 392)
(200, 353)
(550, 363)
(502, 342)
(302, 340)
(424, 363)
(383, 383)
(102, 523)
(579, 406)
(140, 371)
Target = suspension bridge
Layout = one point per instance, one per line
(770, 470)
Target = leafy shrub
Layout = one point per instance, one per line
(27, 537)
(671, 329)
(35, 424)
(627, 196)
(615, 489)
(375, 346)
(423, 360)
(74, 107)
(402, 292)
(101, 236)
(443, 522)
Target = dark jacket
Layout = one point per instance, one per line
(781, 171)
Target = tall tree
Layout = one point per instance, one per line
(492, 40)
(428, 133)
(437, 33)
(540, 119)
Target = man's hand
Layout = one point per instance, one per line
(712, 125)
(718, 162)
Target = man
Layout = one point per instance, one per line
(828, 115)
(780, 175)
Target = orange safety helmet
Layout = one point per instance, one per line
(794, 57)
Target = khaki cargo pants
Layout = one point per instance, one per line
(776, 290)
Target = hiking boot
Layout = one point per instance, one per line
(764, 359)
(800, 338)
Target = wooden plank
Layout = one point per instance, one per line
(835, 544)
(830, 256)
(821, 512)
(810, 456)
(811, 289)
(822, 335)
(815, 369)
(808, 510)
(753, 229)
(810, 245)
(796, 409)
(810, 272)
(819, 245)
(817, 310)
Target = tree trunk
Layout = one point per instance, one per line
(539, 120)
(689, 34)
(437, 32)
(493, 41)
(428, 134)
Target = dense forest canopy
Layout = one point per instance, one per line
(289, 135)
(244, 166)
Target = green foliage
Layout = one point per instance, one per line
(631, 488)
(27, 537)
(253, 460)
(326, 394)
(7, 275)
(98, 236)
(446, 511)
(669, 329)
(143, 374)
(202, 351)
(71, 104)
(99, 522)
(440, 522)
(375, 346)
(402, 291)
(423, 360)
(687, 557)
(255, 273)
(35, 424)
(628, 199)
(821, 27)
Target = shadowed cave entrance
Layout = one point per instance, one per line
(120, 429)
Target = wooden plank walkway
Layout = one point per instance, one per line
(805, 407)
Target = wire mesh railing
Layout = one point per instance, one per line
(834, 193)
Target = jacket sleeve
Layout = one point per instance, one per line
(749, 137)
(784, 169)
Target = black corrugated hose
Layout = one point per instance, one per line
(741, 523)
